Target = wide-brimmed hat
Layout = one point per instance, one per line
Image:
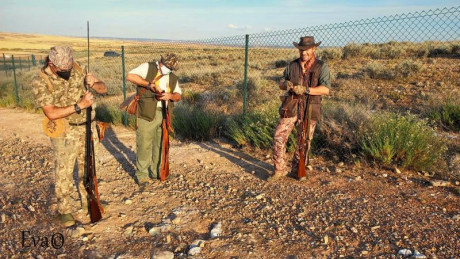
(306, 43)
(61, 56)
(170, 60)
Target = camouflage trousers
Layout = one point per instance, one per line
(282, 132)
(69, 173)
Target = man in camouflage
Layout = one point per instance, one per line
(60, 91)
(305, 77)
(153, 77)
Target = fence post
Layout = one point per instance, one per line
(245, 85)
(4, 65)
(16, 91)
(125, 115)
(34, 62)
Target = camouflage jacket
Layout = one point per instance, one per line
(63, 93)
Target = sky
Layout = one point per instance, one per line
(191, 20)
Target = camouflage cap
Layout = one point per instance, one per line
(61, 56)
(170, 60)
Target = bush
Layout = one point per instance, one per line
(191, 97)
(391, 50)
(408, 67)
(440, 50)
(281, 63)
(194, 123)
(376, 70)
(404, 141)
(331, 53)
(446, 115)
(7, 97)
(256, 129)
(111, 113)
(352, 50)
(337, 131)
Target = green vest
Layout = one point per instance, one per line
(147, 105)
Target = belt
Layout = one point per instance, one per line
(78, 124)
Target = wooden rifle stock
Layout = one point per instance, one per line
(301, 171)
(90, 181)
(165, 128)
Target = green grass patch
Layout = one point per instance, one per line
(256, 129)
(446, 115)
(195, 123)
(7, 95)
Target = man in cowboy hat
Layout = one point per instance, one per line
(151, 78)
(304, 78)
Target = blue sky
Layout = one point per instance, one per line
(189, 20)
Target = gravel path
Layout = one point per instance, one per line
(219, 204)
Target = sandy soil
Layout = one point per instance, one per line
(340, 211)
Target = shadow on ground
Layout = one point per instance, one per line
(125, 156)
(251, 165)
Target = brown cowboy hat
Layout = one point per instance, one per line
(306, 43)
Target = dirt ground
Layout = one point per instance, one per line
(340, 212)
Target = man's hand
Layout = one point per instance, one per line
(165, 96)
(86, 100)
(96, 84)
(299, 89)
(155, 88)
(90, 79)
(286, 85)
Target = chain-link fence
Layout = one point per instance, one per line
(405, 63)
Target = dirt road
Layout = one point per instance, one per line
(341, 211)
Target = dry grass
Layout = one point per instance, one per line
(393, 76)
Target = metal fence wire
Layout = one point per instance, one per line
(234, 75)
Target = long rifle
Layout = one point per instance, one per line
(305, 136)
(90, 181)
(165, 128)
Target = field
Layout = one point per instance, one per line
(401, 78)
(385, 172)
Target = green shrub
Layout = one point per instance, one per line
(376, 70)
(439, 50)
(195, 123)
(456, 48)
(191, 97)
(256, 129)
(109, 113)
(352, 50)
(336, 134)
(331, 53)
(391, 50)
(7, 97)
(408, 67)
(447, 115)
(404, 141)
(281, 63)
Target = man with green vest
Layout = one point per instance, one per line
(151, 78)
